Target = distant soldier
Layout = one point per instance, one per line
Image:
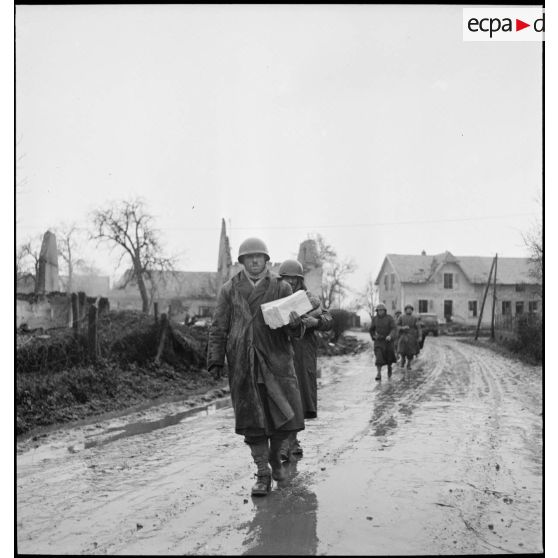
(410, 334)
(305, 348)
(383, 332)
(395, 340)
(262, 378)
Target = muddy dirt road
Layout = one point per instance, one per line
(444, 459)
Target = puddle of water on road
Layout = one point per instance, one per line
(285, 522)
(136, 428)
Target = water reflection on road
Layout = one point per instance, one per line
(285, 522)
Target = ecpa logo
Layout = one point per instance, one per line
(503, 24)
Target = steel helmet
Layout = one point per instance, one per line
(409, 306)
(253, 246)
(381, 306)
(292, 268)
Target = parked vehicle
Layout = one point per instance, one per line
(429, 323)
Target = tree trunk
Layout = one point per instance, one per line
(143, 290)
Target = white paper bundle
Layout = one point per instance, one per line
(276, 313)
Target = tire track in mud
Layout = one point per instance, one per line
(400, 396)
(496, 506)
(188, 485)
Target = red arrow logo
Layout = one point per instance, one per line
(519, 25)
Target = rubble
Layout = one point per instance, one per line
(345, 345)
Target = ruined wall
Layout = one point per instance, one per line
(43, 311)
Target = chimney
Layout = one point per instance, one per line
(423, 253)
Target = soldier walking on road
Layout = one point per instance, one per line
(264, 387)
(305, 349)
(383, 332)
(410, 335)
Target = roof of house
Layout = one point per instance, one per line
(412, 268)
(188, 284)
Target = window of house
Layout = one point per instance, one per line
(472, 309)
(533, 306)
(448, 280)
(386, 287)
(423, 306)
(392, 281)
(204, 311)
(519, 306)
(393, 304)
(506, 307)
(520, 287)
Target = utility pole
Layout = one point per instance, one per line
(494, 297)
(484, 300)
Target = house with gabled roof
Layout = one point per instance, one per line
(453, 286)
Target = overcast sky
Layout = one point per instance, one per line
(376, 126)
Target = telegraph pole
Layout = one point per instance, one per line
(484, 300)
(494, 297)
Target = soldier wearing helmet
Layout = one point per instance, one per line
(305, 349)
(262, 377)
(410, 335)
(383, 332)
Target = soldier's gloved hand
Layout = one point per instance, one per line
(294, 319)
(309, 321)
(388, 338)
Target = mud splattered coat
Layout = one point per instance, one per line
(408, 345)
(305, 358)
(254, 351)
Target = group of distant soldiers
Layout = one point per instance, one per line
(272, 372)
(395, 338)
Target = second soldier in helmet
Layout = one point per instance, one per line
(305, 349)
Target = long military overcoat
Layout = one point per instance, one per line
(239, 332)
(380, 328)
(305, 358)
(408, 345)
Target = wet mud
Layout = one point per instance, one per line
(444, 459)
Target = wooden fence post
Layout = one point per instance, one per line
(75, 315)
(164, 328)
(92, 333)
(81, 305)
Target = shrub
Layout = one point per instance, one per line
(529, 336)
(341, 322)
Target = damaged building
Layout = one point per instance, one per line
(194, 293)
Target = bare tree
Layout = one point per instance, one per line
(27, 257)
(335, 271)
(367, 299)
(68, 247)
(128, 227)
(534, 242)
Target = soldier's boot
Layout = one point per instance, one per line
(409, 359)
(260, 454)
(285, 452)
(379, 374)
(296, 449)
(402, 363)
(389, 371)
(278, 472)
